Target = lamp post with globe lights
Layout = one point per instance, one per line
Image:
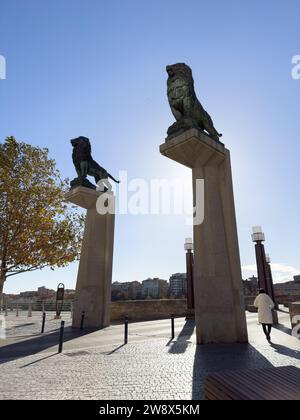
(265, 280)
(258, 237)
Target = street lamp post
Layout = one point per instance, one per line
(264, 272)
(258, 237)
(270, 277)
(188, 247)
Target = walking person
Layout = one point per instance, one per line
(265, 307)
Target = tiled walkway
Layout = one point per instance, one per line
(97, 366)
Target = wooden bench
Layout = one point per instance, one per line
(282, 383)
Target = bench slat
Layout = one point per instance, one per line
(264, 386)
(290, 383)
(282, 383)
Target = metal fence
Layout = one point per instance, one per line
(17, 308)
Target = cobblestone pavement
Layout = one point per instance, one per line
(23, 326)
(95, 366)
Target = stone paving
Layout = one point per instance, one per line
(149, 367)
(22, 326)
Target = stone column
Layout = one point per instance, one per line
(219, 301)
(93, 289)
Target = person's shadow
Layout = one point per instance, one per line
(285, 351)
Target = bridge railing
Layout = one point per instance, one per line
(32, 308)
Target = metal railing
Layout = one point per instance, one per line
(33, 308)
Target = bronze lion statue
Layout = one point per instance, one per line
(185, 106)
(85, 165)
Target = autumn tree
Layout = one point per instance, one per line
(37, 229)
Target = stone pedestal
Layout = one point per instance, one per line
(93, 289)
(219, 303)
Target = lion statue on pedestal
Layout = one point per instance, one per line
(85, 165)
(185, 106)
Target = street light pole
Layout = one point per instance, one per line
(188, 247)
(258, 237)
(270, 278)
(265, 280)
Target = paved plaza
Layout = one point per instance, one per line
(95, 365)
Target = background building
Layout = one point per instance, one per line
(41, 295)
(288, 292)
(284, 292)
(126, 291)
(44, 293)
(28, 296)
(178, 285)
(250, 286)
(155, 288)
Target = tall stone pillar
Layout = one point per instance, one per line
(219, 302)
(93, 289)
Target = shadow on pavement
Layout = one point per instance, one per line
(286, 351)
(39, 360)
(116, 349)
(213, 358)
(282, 328)
(38, 344)
(182, 341)
(21, 326)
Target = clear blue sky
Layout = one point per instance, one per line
(97, 68)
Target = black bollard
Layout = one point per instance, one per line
(82, 320)
(126, 330)
(43, 323)
(172, 326)
(61, 336)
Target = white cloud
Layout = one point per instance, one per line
(281, 272)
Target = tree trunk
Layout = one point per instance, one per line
(2, 281)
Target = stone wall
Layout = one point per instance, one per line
(294, 311)
(147, 310)
(287, 292)
(283, 295)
